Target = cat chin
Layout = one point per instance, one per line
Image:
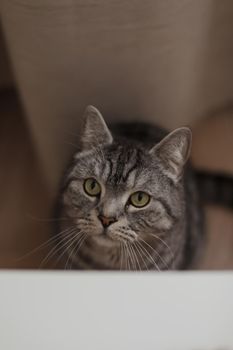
(104, 240)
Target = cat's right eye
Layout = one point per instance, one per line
(139, 199)
(92, 187)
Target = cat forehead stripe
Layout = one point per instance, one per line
(122, 164)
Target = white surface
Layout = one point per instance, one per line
(73, 310)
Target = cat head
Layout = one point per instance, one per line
(123, 192)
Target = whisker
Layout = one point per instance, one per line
(69, 255)
(81, 243)
(72, 134)
(121, 257)
(79, 238)
(149, 255)
(166, 245)
(74, 242)
(126, 258)
(58, 246)
(68, 245)
(78, 245)
(135, 256)
(139, 252)
(132, 257)
(163, 261)
(44, 244)
(71, 144)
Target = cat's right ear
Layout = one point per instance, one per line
(173, 152)
(95, 131)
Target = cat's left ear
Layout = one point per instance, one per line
(95, 131)
(173, 151)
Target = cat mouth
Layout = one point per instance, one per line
(114, 238)
(110, 237)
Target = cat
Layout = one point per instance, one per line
(130, 199)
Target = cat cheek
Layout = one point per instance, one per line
(132, 209)
(94, 224)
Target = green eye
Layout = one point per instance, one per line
(92, 187)
(139, 199)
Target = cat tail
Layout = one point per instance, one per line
(215, 188)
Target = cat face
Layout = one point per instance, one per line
(119, 198)
(118, 194)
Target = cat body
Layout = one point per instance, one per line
(129, 199)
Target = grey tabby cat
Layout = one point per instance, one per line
(129, 200)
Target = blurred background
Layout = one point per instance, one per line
(169, 62)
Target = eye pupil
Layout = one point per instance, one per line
(93, 184)
(140, 196)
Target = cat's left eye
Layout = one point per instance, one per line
(139, 199)
(92, 187)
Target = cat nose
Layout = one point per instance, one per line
(106, 221)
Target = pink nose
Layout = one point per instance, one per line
(106, 221)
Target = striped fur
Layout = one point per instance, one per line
(166, 234)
